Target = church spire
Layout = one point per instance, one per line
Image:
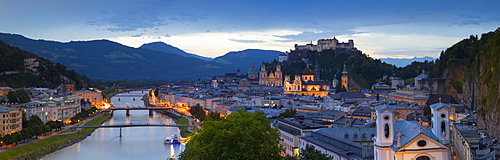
(344, 72)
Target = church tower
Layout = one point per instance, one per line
(441, 122)
(385, 131)
(215, 84)
(316, 71)
(238, 73)
(345, 79)
(263, 72)
(335, 81)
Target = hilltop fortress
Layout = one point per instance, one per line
(325, 44)
(302, 52)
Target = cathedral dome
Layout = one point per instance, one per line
(253, 70)
(308, 71)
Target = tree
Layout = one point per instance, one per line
(34, 121)
(27, 133)
(240, 135)
(198, 112)
(37, 130)
(8, 139)
(214, 116)
(289, 112)
(310, 153)
(46, 128)
(18, 96)
(17, 137)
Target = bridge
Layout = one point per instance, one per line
(151, 109)
(132, 125)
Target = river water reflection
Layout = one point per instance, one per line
(135, 143)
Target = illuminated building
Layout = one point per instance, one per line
(307, 84)
(11, 120)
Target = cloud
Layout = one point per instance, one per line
(137, 35)
(188, 17)
(247, 41)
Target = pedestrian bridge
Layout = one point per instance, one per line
(151, 109)
(133, 125)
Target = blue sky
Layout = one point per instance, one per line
(381, 29)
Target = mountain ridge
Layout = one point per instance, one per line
(104, 59)
(402, 62)
(163, 47)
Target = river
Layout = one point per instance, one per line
(135, 143)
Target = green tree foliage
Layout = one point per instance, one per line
(35, 121)
(48, 75)
(310, 153)
(17, 137)
(361, 68)
(240, 135)
(8, 139)
(18, 96)
(414, 69)
(37, 130)
(46, 128)
(289, 113)
(198, 112)
(55, 124)
(472, 64)
(27, 133)
(213, 116)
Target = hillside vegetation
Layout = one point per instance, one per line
(49, 75)
(471, 68)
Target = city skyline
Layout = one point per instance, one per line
(387, 29)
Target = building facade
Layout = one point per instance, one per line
(93, 97)
(11, 120)
(307, 84)
(325, 44)
(271, 79)
(59, 109)
(401, 139)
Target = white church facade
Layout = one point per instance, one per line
(409, 140)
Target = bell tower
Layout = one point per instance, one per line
(441, 122)
(385, 131)
(345, 79)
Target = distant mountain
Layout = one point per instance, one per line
(163, 47)
(103, 59)
(243, 59)
(402, 62)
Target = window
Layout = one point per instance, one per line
(386, 130)
(423, 158)
(386, 117)
(443, 126)
(422, 143)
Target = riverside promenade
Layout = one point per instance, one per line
(59, 132)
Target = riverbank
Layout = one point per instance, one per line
(52, 143)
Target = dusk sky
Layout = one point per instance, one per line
(211, 28)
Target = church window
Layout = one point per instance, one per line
(443, 126)
(386, 130)
(386, 117)
(422, 143)
(423, 158)
(443, 115)
(346, 135)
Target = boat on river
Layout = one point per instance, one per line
(174, 139)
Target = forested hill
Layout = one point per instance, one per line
(103, 59)
(14, 73)
(363, 70)
(471, 68)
